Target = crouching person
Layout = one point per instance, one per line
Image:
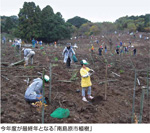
(28, 54)
(85, 73)
(34, 91)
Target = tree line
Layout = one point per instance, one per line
(82, 26)
(45, 25)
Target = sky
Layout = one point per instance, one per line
(93, 10)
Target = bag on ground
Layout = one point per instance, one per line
(60, 113)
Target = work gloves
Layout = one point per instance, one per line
(89, 73)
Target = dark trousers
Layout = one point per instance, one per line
(68, 62)
(100, 53)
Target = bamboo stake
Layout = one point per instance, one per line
(147, 83)
(50, 75)
(16, 63)
(141, 106)
(66, 81)
(5, 77)
(26, 76)
(92, 58)
(106, 83)
(133, 97)
(138, 81)
(116, 74)
(43, 93)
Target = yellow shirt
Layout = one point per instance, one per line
(85, 82)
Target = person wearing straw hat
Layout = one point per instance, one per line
(34, 91)
(28, 54)
(85, 73)
(67, 53)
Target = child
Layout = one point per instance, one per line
(86, 81)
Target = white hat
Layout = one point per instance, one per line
(46, 78)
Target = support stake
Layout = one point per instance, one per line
(133, 97)
(43, 93)
(141, 106)
(147, 83)
(106, 83)
(50, 75)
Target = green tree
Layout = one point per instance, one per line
(77, 21)
(131, 27)
(29, 21)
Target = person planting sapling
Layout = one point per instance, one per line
(85, 73)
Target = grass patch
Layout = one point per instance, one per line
(121, 71)
(55, 59)
(29, 67)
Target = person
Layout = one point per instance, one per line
(134, 51)
(75, 46)
(55, 44)
(105, 49)
(110, 43)
(33, 43)
(28, 54)
(67, 53)
(121, 50)
(34, 92)
(92, 48)
(117, 50)
(120, 43)
(17, 45)
(40, 42)
(4, 40)
(129, 43)
(85, 73)
(100, 50)
(126, 49)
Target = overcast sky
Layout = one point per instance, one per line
(93, 10)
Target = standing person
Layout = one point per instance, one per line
(120, 43)
(55, 44)
(40, 42)
(134, 51)
(28, 54)
(4, 40)
(67, 53)
(100, 50)
(92, 48)
(85, 73)
(121, 49)
(105, 49)
(126, 49)
(34, 91)
(33, 43)
(130, 43)
(110, 43)
(17, 45)
(117, 50)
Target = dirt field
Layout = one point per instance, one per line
(117, 108)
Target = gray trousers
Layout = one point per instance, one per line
(29, 56)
